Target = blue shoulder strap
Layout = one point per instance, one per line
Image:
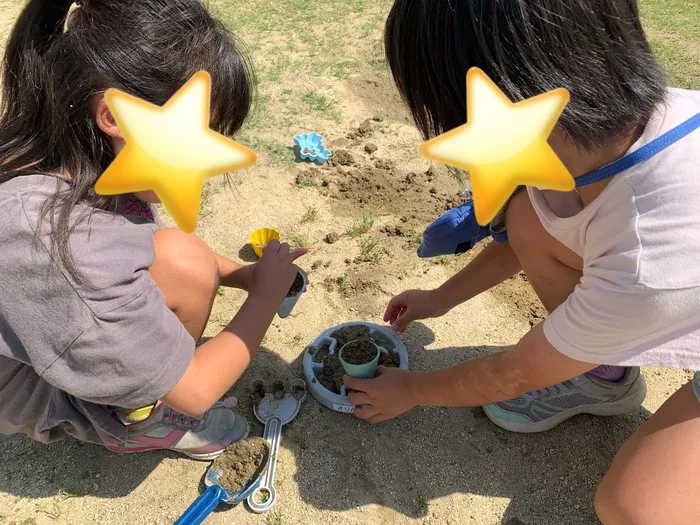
(640, 155)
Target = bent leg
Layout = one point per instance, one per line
(552, 269)
(187, 273)
(654, 477)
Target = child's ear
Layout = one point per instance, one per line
(105, 121)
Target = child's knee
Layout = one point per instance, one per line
(525, 231)
(187, 259)
(616, 503)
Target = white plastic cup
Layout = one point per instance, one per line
(289, 303)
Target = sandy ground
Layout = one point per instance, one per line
(433, 465)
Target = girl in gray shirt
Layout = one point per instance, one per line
(100, 308)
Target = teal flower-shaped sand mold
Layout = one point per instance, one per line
(310, 147)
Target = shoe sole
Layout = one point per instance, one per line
(628, 403)
(208, 456)
(205, 456)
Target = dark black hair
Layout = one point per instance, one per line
(52, 79)
(596, 49)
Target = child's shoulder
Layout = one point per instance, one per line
(676, 168)
(109, 249)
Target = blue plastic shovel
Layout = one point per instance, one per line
(203, 506)
(215, 494)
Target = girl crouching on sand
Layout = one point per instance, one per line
(100, 308)
(614, 262)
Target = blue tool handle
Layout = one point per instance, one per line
(203, 506)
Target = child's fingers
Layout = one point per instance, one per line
(361, 385)
(389, 313)
(272, 246)
(393, 309)
(404, 319)
(359, 398)
(396, 314)
(298, 253)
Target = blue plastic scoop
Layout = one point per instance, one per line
(215, 493)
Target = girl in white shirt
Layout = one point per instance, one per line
(614, 262)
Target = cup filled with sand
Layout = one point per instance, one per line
(360, 358)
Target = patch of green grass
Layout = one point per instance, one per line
(311, 214)
(342, 282)
(673, 28)
(320, 104)
(52, 509)
(372, 251)
(274, 519)
(262, 496)
(332, 68)
(360, 227)
(420, 504)
(277, 153)
(678, 16)
(682, 68)
(278, 67)
(220, 291)
(205, 204)
(87, 473)
(305, 180)
(299, 240)
(342, 69)
(257, 115)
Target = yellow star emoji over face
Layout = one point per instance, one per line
(503, 145)
(170, 149)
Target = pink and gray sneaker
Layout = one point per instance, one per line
(202, 438)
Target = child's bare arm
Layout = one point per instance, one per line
(492, 266)
(496, 263)
(219, 362)
(233, 274)
(530, 365)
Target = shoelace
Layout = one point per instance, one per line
(548, 391)
(176, 418)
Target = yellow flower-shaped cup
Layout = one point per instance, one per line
(260, 238)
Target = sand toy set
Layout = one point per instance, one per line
(324, 370)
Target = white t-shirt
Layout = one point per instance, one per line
(638, 302)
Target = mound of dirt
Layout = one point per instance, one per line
(382, 189)
(384, 164)
(364, 130)
(342, 158)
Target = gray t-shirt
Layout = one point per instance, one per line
(70, 354)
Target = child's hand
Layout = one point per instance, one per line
(272, 276)
(411, 306)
